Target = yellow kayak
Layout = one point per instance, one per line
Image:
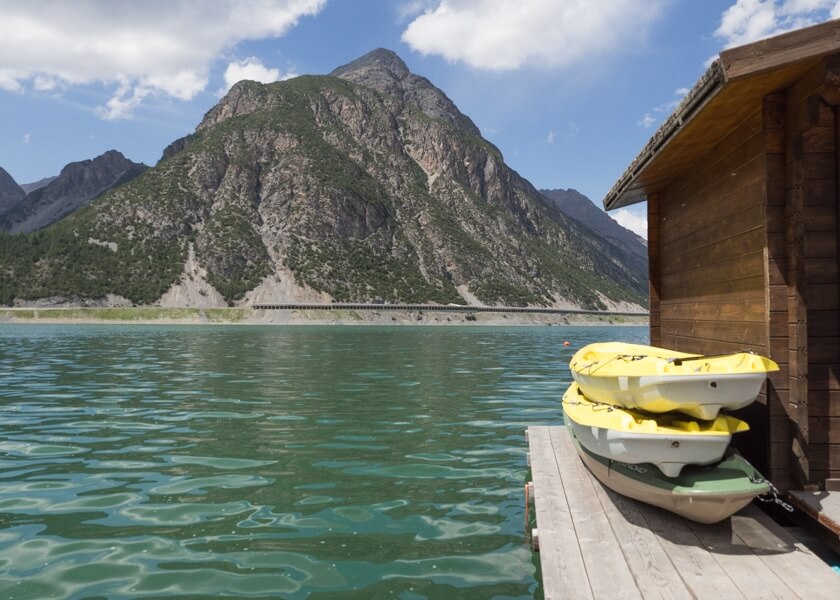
(659, 380)
(668, 441)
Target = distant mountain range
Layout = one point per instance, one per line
(582, 209)
(35, 185)
(365, 185)
(51, 199)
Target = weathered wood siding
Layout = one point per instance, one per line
(813, 315)
(711, 262)
(711, 246)
(744, 255)
(778, 387)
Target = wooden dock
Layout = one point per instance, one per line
(594, 543)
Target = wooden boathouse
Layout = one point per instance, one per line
(743, 205)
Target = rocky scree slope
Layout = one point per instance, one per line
(366, 185)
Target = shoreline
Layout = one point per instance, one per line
(249, 316)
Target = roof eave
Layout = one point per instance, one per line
(706, 87)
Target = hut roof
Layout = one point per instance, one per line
(729, 91)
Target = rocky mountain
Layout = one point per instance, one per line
(10, 192)
(583, 210)
(76, 185)
(36, 185)
(364, 185)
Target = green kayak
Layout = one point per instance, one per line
(706, 494)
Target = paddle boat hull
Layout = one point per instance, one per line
(659, 380)
(670, 442)
(702, 494)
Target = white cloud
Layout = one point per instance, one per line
(411, 8)
(502, 35)
(252, 69)
(552, 135)
(666, 108)
(634, 221)
(750, 20)
(155, 47)
(27, 137)
(647, 121)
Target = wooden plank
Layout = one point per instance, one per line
(698, 568)
(823, 323)
(745, 288)
(740, 310)
(699, 346)
(796, 46)
(735, 149)
(822, 270)
(563, 569)
(752, 576)
(692, 267)
(650, 564)
(819, 166)
(821, 244)
(740, 212)
(654, 263)
(825, 430)
(701, 202)
(598, 543)
(822, 506)
(749, 335)
(820, 192)
(792, 561)
(625, 548)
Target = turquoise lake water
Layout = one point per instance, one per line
(273, 462)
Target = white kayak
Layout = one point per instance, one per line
(659, 380)
(670, 442)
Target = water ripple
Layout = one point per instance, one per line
(304, 462)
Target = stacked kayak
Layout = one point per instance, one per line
(647, 423)
(659, 380)
(668, 441)
(702, 494)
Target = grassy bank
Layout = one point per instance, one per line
(133, 314)
(198, 316)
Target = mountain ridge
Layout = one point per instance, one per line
(323, 187)
(77, 184)
(582, 209)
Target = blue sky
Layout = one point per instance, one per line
(569, 90)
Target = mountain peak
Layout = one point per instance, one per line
(379, 59)
(384, 71)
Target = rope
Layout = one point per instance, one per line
(624, 357)
(599, 405)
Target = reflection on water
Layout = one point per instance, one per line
(272, 462)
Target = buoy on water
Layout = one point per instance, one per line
(566, 343)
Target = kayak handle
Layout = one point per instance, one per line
(680, 360)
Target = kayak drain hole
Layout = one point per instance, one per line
(675, 444)
(713, 384)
